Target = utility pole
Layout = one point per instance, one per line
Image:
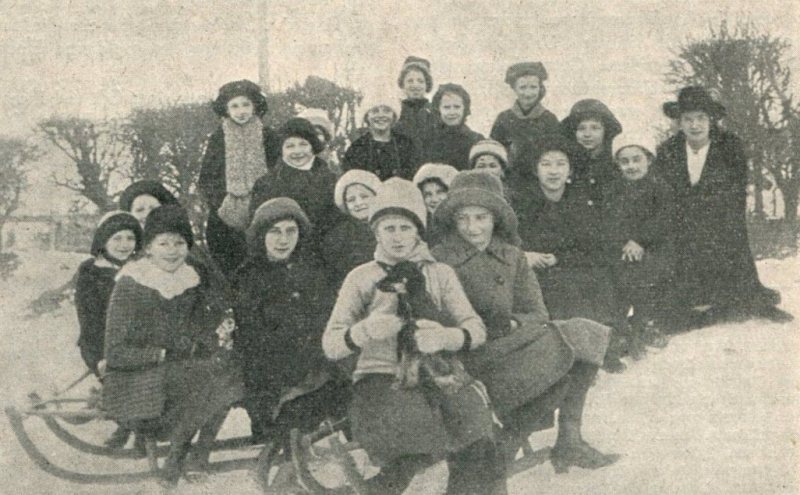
(262, 13)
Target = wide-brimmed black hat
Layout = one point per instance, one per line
(111, 223)
(245, 88)
(151, 188)
(692, 99)
(587, 109)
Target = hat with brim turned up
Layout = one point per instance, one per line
(477, 188)
(694, 99)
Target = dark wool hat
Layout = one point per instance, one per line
(111, 223)
(268, 214)
(694, 98)
(245, 88)
(150, 187)
(302, 128)
(525, 69)
(591, 109)
(456, 89)
(554, 142)
(477, 188)
(169, 219)
(420, 64)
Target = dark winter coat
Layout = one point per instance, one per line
(92, 293)
(416, 121)
(189, 383)
(450, 145)
(642, 211)
(714, 264)
(517, 131)
(396, 158)
(227, 245)
(281, 310)
(595, 174)
(579, 285)
(349, 244)
(312, 189)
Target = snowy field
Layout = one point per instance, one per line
(717, 411)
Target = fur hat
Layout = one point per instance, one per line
(525, 69)
(354, 176)
(457, 89)
(150, 187)
(628, 139)
(111, 223)
(550, 142)
(318, 118)
(420, 64)
(476, 188)
(591, 109)
(302, 128)
(694, 98)
(488, 147)
(245, 88)
(440, 172)
(168, 219)
(268, 214)
(401, 197)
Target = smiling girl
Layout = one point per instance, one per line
(451, 138)
(416, 116)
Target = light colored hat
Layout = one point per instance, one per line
(477, 188)
(399, 196)
(318, 117)
(355, 176)
(488, 147)
(440, 171)
(633, 139)
(381, 98)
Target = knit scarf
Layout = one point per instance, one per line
(245, 163)
(533, 113)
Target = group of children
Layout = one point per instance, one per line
(559, 232)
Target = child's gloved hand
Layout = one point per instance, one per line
(432, 337)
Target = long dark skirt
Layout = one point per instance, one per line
(391, 422)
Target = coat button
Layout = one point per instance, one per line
(295, 295)
(591, 181)
(499, 280)
(590, 203)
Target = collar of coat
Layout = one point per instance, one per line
(535, 112)
(420, 254)
(169, 285)
(460, 251)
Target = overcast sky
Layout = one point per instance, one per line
(100, 58)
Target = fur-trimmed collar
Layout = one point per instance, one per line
(169, 285)
(533, 113)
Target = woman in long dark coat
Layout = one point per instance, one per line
(164, 376)
(238, 153)
(592, 127)
(283, 301)
(707, 168)
(562, 236)
(417, 118)
(529, 365)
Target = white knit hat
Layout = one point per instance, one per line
(355, 176)
(399, 196)
(490, 147)
(380, 98)
(318, 117)
(633, 139)
(440, 171)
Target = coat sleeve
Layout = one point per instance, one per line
(350, 308)
(91, 319)
(456, 304)
(212, 171)
(261, 192)
(528, 297)
(500, 132)
(659, 228)
(272, 147)
(124, 315)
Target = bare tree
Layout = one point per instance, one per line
(15, 153)
(748, 68)
(97, 149)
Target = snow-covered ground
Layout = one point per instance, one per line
(717, 411)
